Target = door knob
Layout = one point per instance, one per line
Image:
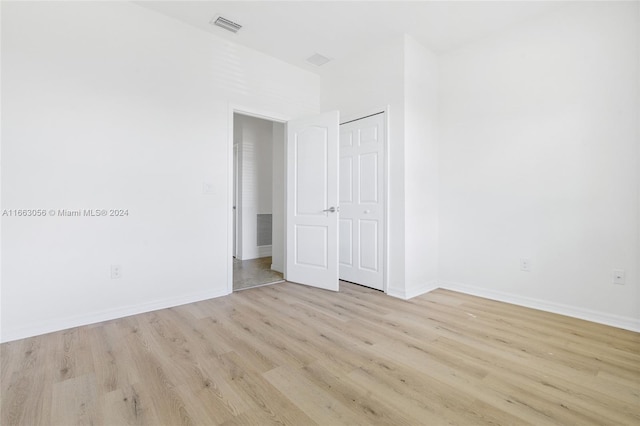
(331, 209)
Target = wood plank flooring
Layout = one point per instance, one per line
(288, 354)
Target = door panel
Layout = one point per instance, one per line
(346, 139)
(368, 134)
(346, 243)
(311, 244)
(369, 178)
(311, 170)
(346, 180)
(312, 190)
(362, 201)
(369, 245)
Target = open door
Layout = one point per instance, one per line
(312, 201)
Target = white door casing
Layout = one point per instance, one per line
(312, 192)
(361, 225)
(236, 200)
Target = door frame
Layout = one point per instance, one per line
(386, 110)
(236, 203)
(257, 113)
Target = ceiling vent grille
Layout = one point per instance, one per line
(318, 59)
(226, 24)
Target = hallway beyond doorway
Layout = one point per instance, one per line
(254, 273)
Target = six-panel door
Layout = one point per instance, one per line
(361, 222)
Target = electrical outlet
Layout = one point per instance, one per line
(116, 272)
(618, 276)
(525, 265)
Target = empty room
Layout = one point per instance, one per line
(320, 212)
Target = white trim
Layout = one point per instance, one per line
(626, 323)
(106, 315)
(236, 195)
(258, 113)
(385, 250)
(253, 112)
(265, 251)
(406, 294)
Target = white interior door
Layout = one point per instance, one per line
(312, 201)
(362, 201)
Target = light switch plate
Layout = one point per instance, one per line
(207, 188)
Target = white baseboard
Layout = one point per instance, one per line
(35, 329)
(626, 323)
(406, 294)
(256, 252)
(265, 251)
(106, 315)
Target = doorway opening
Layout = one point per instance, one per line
(258, 201)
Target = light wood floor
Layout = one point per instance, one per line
(287, 354)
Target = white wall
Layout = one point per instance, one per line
(375, 79)
(104, 107)
(256, 146)
(420, 168)
(279, 181)
(540, 159)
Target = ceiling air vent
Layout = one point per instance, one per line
(318, 59)
(226, 24)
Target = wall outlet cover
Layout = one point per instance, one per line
(116, 272)
(618, 276)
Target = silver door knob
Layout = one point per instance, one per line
(330, 210)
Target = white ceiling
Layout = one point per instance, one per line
(294, 30)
